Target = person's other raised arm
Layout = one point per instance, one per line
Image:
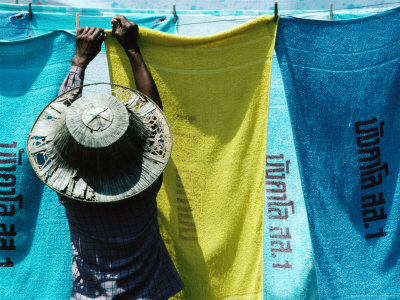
(88, 45)
(126, 33)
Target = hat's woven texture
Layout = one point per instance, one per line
(102, 147)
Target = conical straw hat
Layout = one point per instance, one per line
(103, 147)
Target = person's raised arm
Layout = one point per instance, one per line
(126, 33)
(88, 45)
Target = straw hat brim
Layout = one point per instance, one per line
(119, 184)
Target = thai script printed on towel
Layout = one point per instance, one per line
(372, 172)
(186, 226)
(279, 209)
(10, 158)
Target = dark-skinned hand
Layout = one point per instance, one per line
(126, 33)
(88, 45)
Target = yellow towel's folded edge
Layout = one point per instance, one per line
(168, 39)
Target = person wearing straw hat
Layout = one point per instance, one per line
(104, 156)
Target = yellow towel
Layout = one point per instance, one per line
(215, 92)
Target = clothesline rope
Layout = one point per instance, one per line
(221, 20)
(85, 11)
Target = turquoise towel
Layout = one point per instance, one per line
(49, 18)
(35, 251)
(295, 279)
(289, 271)
(52, 21)
(14, 26)
(46, 22)
(342, 84)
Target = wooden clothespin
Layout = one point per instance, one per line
(331, 11)
(276, 11)
(30, 17)
(174, 12)
(76, 22)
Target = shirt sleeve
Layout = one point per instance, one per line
(73, 79)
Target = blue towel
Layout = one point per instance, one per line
(289, 271)
(14, 26)
(35, 250)
(342, 84)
